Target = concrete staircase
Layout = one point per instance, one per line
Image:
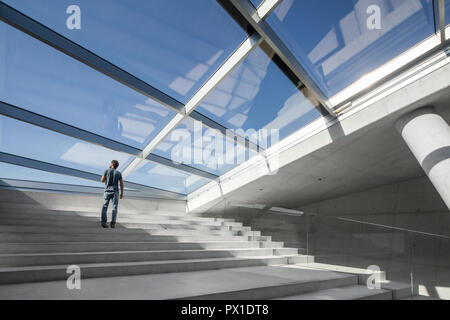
(151, 253)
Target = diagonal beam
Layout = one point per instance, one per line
(265, 9)
(53, 168)
(228, 66)
(441, 15)
(246, 9)
(63, 128)
(61, 43)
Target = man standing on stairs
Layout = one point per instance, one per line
(111, 178)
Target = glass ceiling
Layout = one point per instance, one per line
(447, 13)
(257, 95)
(337, 42)
(176, 46)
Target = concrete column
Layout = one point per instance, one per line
(427, 135)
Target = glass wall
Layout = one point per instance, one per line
(174, 45)
(338, 42)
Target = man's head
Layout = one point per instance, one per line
(114, 164)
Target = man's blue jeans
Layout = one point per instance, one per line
(114, 195)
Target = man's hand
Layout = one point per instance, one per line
(121, 188)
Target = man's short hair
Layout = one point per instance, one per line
(115, 164)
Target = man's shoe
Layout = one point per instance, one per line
(104, 225)
(113, 225)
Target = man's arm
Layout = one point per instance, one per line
(103, 178)
(121, 188)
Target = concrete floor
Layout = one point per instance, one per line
(170, 285)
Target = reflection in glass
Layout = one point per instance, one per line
(339, 41)
(29, 141)
(257, 95)
(9, 171)
(39, 78)
(174, 45)
(195, 145)
(158, 176)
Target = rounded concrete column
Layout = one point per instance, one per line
(427, 135)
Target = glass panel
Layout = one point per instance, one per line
(9, 171)
(431, 265)
(257, 95)
(351, 246)
(174, 45)
(155, 175)
(338, 42)
(25, 140)
(447, 13)
(195, 145)
(256, 3)
(41, 79)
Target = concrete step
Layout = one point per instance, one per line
(304, 283)
(256, 283)
(60, 221)
(28, 219)
(58, 272)
(110, 235)
(40, 259)
(58, 247)
(93, 227)
(152, 230)
(354, 292)
(135, 216)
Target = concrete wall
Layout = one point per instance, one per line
(333, 239)
(10, 199)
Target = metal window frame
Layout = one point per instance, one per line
(53, 168)
(224, 70)
(250, 14)
(17, 184)
(37, 30)
(441, 15)
(83, 135)
(44, 34)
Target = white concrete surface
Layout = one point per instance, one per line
(427, 135)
